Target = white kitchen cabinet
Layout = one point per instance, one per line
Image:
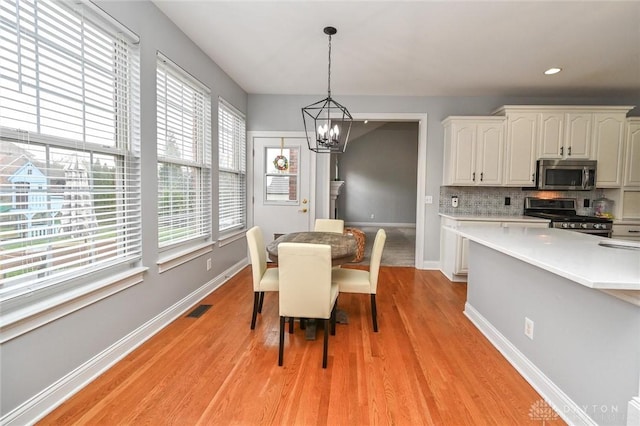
(608, 148)
(626, 231)
(474, 151)
(551, 135)
(632, 161)
(564, 135)
(578, 128)
(454, 249)
(520, 159)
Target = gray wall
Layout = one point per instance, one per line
(33, 361)
(282, 113)
(380, 171)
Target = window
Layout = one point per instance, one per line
(281, 178)
(69, 163)
(233, 168)
(184, 156)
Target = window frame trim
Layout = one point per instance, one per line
(172, 249)
(229, 235)
(32, 306)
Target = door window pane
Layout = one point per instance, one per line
(281, 175)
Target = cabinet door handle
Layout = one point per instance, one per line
(569, 151)
(474, 177)
(533, 177)
(633, 231)
(561, 150)
(481, 176)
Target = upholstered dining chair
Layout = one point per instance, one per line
(360, 281)
(264, 279)
(329, 225)
(306, 290)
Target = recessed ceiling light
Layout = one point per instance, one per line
(552, 71)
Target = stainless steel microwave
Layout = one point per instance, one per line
(569, 175)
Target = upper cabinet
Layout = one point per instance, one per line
(608, 148)
(551, 130)
(632, 166)
(473, 151)
(479, 151)
(577, 143)
(562, 133)
(520, 157)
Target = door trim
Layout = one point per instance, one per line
(251, 135)
(421, 184)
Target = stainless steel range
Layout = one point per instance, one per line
(562, 214)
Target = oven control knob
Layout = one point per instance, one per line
(565, 225)
(599, 226)
(584, 226)
(572, 225)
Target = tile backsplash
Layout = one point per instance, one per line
(491, 200)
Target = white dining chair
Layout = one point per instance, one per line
(264, 279)
(360, 281)
(306, 290)
(329, 225)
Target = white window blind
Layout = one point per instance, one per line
(232, 168)
(69, 145)
(184, 156)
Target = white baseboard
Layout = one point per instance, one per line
(550, 392)
(453, 277)
(48, 399)
(430, 265)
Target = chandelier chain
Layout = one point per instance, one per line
(329, 73)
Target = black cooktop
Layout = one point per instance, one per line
(568, 217)
(558, 210)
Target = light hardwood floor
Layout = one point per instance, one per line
(427, 365)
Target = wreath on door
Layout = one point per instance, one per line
(281, 162)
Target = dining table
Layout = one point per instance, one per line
(343, 250)
(343, 246)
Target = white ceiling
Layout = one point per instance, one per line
(420, 48)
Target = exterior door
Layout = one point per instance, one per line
(282, 185)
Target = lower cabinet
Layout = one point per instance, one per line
(454, 249)
(626, 231)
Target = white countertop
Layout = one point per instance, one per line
(572, 255)
(492, 218)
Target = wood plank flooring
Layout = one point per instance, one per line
(428, 365)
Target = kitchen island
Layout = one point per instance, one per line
(565, 311)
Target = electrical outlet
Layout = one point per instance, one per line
(528, 328)
(507, 201)
(454, 201)
(373, 216)
(208, 264)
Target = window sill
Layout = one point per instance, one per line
(34, 315)
(179, 258)
(232, 237)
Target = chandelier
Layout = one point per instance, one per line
(327, 123)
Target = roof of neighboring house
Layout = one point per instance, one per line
(13, 157)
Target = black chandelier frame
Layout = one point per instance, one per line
(327, 123)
